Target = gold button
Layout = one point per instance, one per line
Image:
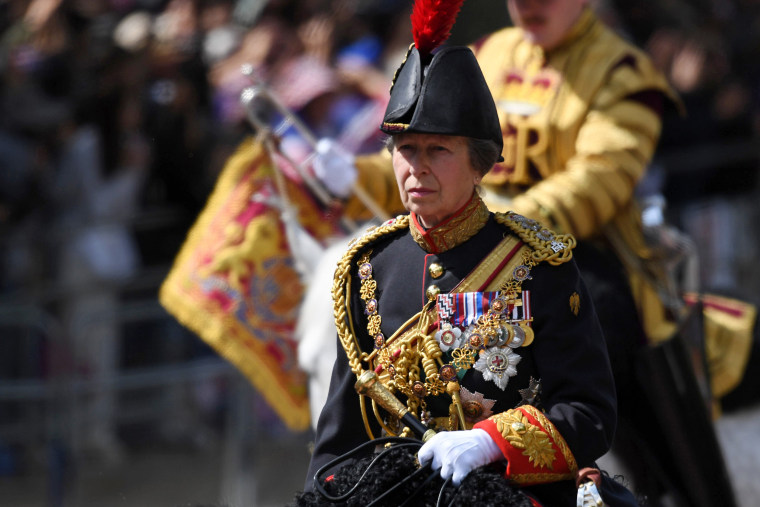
(435, 270)
(432, 292)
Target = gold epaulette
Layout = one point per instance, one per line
(547, 245)
(341, 288)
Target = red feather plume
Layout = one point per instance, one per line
(432, 21)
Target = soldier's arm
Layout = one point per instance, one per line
(375, 176)
(613, 148)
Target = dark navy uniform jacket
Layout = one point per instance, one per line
(568, 352)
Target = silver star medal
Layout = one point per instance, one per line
(497, 364)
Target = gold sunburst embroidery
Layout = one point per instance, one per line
(521, 434)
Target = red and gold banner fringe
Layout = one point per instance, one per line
(234, 283)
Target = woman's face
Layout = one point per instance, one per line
(546, 22)
(434, 175)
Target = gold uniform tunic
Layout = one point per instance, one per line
(578, 135)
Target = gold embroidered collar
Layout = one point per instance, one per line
(453, 231)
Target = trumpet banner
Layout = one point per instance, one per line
(234, 283)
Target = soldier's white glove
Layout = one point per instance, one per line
(334, 167)
(457, 453)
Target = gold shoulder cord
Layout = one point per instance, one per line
(341, 293)
(547, 245)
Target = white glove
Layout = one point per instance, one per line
(334, 167)
(457, 453)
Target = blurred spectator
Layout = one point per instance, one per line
(91, 210)
(177, 104)
(31, 107)
(336, 96)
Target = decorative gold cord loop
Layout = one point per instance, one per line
(340, 300)
(547, 245)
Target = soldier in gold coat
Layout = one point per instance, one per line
(580, 110)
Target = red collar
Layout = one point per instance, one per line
(453, 231)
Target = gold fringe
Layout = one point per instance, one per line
(728, 326)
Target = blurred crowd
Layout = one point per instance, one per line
(113, 112)
(112, 109)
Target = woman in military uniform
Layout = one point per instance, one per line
(477, 323)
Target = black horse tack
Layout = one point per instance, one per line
(385, 473)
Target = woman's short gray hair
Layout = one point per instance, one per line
(484, 153)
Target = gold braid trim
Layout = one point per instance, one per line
(431, 353)
(454, 231)
(524, 479)
(547, 245)
(340, 290)
(398, 70)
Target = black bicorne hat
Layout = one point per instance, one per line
(447, 95)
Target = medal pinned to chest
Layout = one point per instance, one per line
(482, 330)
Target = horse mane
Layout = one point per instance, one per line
(397, 475)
